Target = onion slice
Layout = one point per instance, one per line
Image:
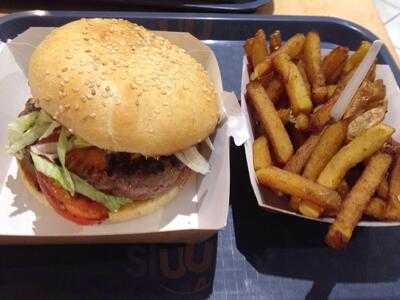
(49, 150)
(194, 160)
(209, 143)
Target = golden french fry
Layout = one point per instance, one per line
(273, 126)
(294, 203)
(296, 185)
(343, 189)
(322, 116)
(363, 146)
(284, 115)
(331, 90)
(261, 155)
(275, 41)
(333, 63)
(302, 122)
(274, 89)
(312, 59)
(298, 160)
(309, 208)
(393, 208)
(259, 50)
(248, 48)
(356, 201)
(368, 96)
(329, 144)
(376, 208)
(299, 100)
(292, 48)
(366, 120)
(354, 60)
(302, 69)
(383, 188)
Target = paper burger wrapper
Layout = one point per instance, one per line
(200, 209)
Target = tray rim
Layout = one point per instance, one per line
(385, 54)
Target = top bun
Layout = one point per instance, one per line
(123, 88)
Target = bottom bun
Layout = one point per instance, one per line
(136, 209)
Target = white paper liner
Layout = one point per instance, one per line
(271, 201)
(202, 204)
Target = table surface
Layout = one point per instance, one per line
(345, 9)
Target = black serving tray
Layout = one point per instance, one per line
(258, 255)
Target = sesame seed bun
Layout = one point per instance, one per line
(123, 88)
(136, 209)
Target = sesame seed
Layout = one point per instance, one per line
(93, 115)
(93, 92)
(65, 69)
(76, 106)
(107, 88)
(88, 50)
(75, 90)
(69, 56)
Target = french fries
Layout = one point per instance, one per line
(312, 59)
(366, 120)
(322, 116)
(376, 208)
(274, 89)
(368, 96)
(343, 189)
(299, 186)
(302, 69)
(333, 63)
(261, 155)
(330, 142)
(383, 188)
(259, 48)
(393, 208)
(348, 159)
(363, 146)
(356, 201)
(302, 122)
(297, 162)
(354, 60)
(275, 41)
(292, 48)
(285, 115)
(330, 90)
(276, 132)
(299, 99)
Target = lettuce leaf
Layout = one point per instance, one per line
(62, 148)
(17, 128)
(24, 131)
(112, 203)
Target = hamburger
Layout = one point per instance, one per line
(114, 123)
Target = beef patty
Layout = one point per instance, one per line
(125, 174)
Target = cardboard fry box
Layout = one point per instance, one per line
(269, 200)
(200, 209)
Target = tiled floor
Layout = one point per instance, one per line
(389, 11)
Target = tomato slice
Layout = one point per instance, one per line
(78, 208)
